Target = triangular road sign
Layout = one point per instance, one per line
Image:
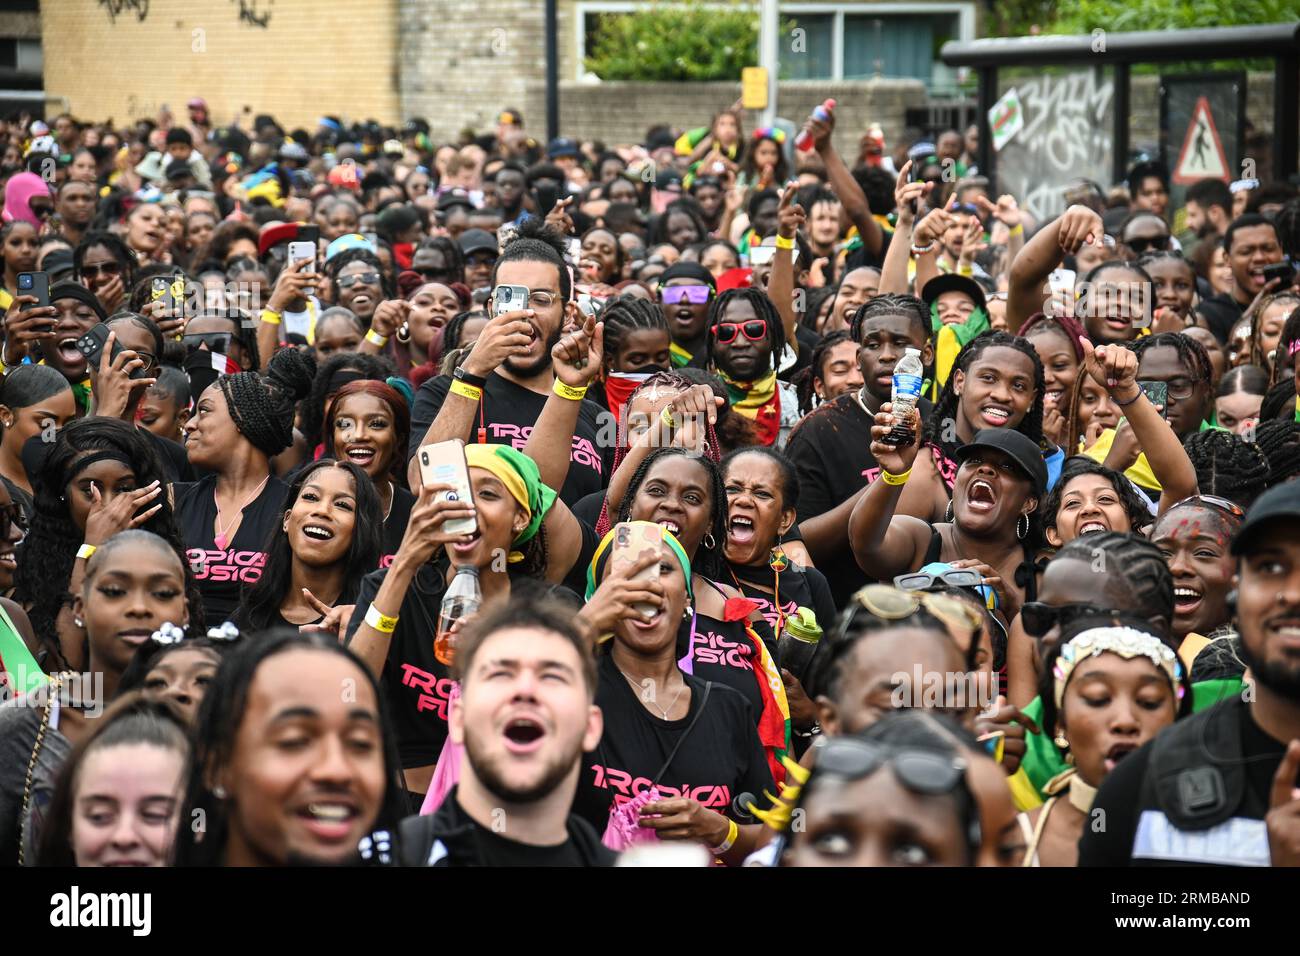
(1202, 155)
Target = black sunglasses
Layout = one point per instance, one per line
(215, 341)
(1038, 618)
(107, 268)
(366, 278)
(1141, 246)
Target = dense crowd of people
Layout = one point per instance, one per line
(704, 501)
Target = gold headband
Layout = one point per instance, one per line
(1127, 642)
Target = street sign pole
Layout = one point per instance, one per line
(769, 54)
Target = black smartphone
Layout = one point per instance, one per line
(1158, 393)
(309, 234)
(35, 283)
(91, 345)
(1284, 270)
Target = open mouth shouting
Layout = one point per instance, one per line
(684, 317)
(524, 734)
(1118, 752)
(329, 819)
(69, 354)
(981, 497)
(995, 416)
(741, 530)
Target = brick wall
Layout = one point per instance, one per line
(621, 112)
(295, 59)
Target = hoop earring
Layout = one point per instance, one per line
(947, 514)
(404, 333)
(1019, 533)
(708, 541)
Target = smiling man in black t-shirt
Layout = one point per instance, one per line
(831, 447)
(526, 714)
(501, 387)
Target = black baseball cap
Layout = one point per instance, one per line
(1021, 449)
(1279, 502)
(562, 147)
(477, 240)
(952, 282)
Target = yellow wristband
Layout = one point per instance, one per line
(270, 317)
(381, 622)
(965, 269)
(1020, 228)
(374, 338)
(85, 551)
(783, 243)
(464, 389)
(891, 479)
(569, 392)
(733, 831)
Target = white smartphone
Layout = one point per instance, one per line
(1061, 284)
(762, 255)
(509, 298)
(302, 250)
(443, 463)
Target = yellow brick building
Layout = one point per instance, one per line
(294, 59)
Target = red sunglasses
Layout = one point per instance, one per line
(755, 330)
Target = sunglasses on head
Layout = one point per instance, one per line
(755, 330)
(893, 604)
(1213, 501)
(365, 278)
(1156, 244)
(920, 771)
(1038, 618)
(677, 294)
(106, 268)
(956, 578)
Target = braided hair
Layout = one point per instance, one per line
(1031, 426)
(813, 302)
(116, 247)
(624, 314)
(805, 378)
(891, 303)
(263, 408)
(763, 308)
(707, 562)
(1133, 503)
(1279, 440)
(1227, 465)
(451, 254)
(1276, 400)
(1133, 560)
(46, 556)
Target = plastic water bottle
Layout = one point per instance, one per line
(906, 394)
(798, 643)
(804, 141)
(461, 601)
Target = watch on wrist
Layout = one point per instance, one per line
(469, 378)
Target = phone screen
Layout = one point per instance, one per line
(1158, 393)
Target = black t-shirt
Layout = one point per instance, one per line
(1120, 796)
(807, 340)
(221, 573)
(399, 516)
(496, 850)
(416, 684)
(1221, 313)
(800, 587)
(724, 652)
(831, 452)
(511, 411)
(720, 758)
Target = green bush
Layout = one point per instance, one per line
(676, 42)
(1122, 16)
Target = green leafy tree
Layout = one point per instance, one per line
(676, 42)
(1120, 16)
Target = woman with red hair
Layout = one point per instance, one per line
(368, 423)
